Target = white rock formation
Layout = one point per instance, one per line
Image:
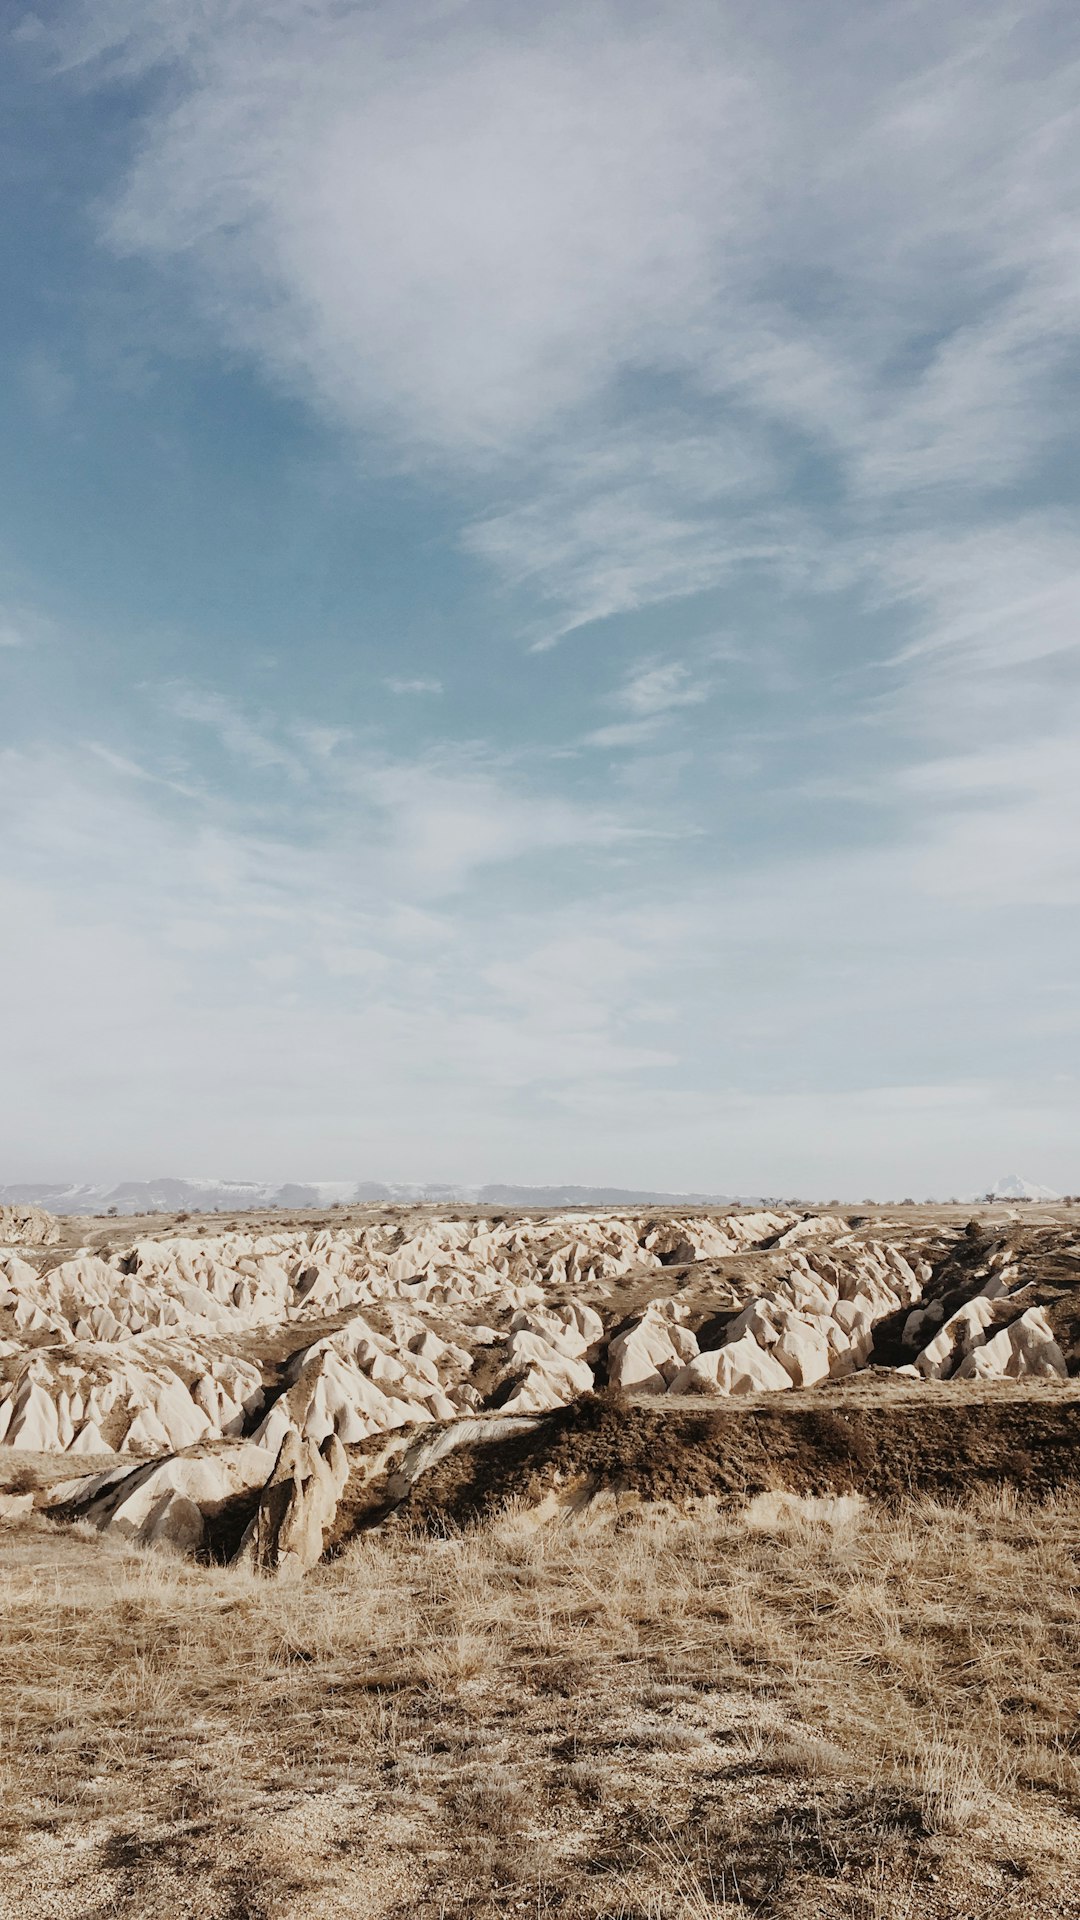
(297, 1504)
(165, 1501)
(26, 1226)
(191, 1339)
(816, 1324)
(956, 1338)
(233, 1365)
(129, 1350)
(1026, 1346)
(646, 1356)
(741, 1367)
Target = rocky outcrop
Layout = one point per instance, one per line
(129, 1350)
(296, 1506)
(233, 1370)
(646, 1356)
(814, 1324)
(26, 1226)
(183, 1500)
(742, 1367)
(189, 1340)
(1026, 1346)
(168, 1502)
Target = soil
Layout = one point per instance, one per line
(887, 1446)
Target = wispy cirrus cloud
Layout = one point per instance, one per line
(338, 1007)
(234, 729)
(416, 683)
(628, 279)
(651, 694)
(660, 686)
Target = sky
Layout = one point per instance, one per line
(539, 617)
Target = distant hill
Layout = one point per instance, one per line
(234, 1196)
(594, 1197)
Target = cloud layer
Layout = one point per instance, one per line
(631, 276)
(745, 339)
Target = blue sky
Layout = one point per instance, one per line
(539, 627)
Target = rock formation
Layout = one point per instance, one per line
(229, 1362)
(165, 1502)
(26, 1226)
(297, 1504)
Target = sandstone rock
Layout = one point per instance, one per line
(552, 1381)
(1026, 1347)
(146, 1350)
(816, 1226)
(164, 1501)
(405, 1328)
(646, 1356)
(803, 1352)
(963, 1331)
(295, 1508)
(574, 1330)
(34, 1422)
(742, 1367)
(144, 1327)
(332, 1395)
(26, 1226)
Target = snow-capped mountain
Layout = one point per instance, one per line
(1012, 1187)
(234, 1196)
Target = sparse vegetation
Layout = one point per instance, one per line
(648, 1652)
(871, 1718)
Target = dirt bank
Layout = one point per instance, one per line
(925, 1443)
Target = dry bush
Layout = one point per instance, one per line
(865, 1721)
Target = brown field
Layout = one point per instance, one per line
(868, 1713)
(808, 1655)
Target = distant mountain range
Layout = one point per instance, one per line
(235, 1196)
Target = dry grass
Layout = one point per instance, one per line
(870, 1721)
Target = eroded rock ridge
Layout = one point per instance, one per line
(245, 1360)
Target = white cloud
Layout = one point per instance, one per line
(629, 272)
(994, 595)
(653, 689)
(418, 684)
(360, 963)
(236, 732)
(447, 151)
(279, 969)
(305, 979)
(1007, 822)
(448, 815)
(123, 764)
(323, 741)
(300, 993)
(622, 733)
(652, 693)
(621, 518)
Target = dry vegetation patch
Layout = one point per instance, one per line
(667, 1717)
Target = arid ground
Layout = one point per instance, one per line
(685, 1638)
